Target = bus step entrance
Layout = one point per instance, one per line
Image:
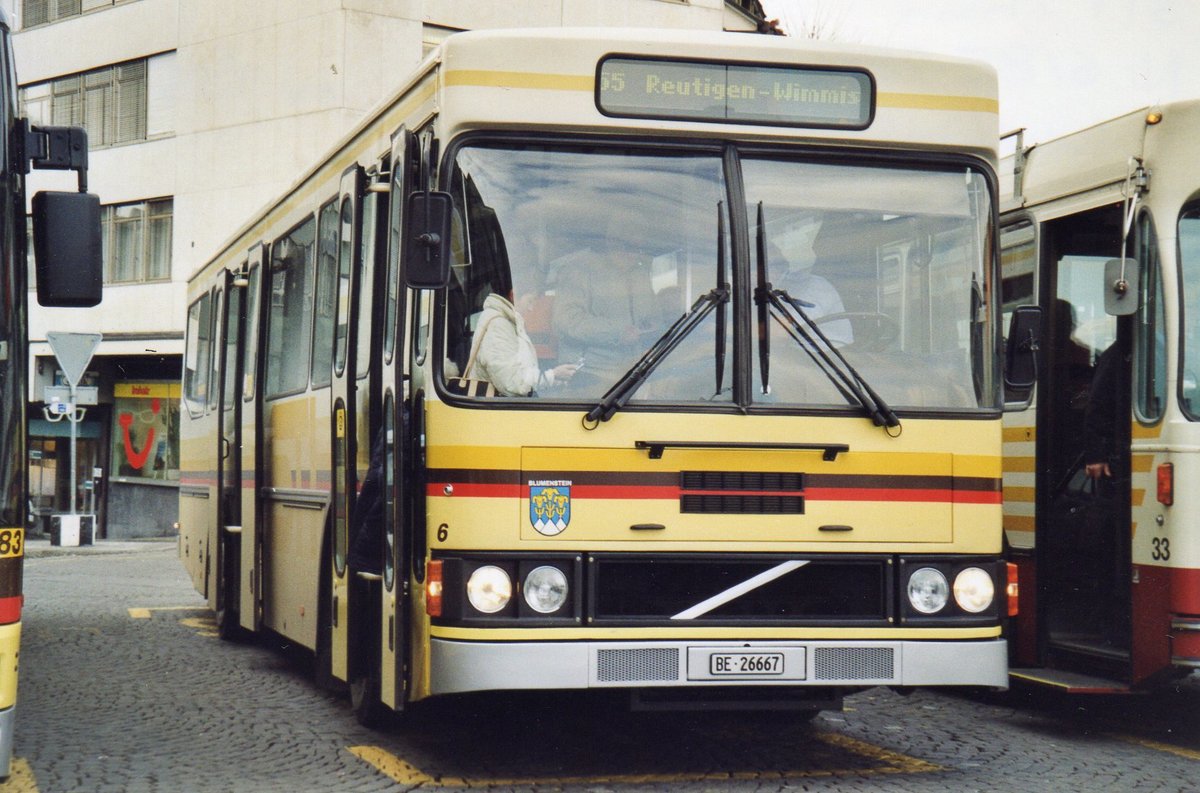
(1069, 682)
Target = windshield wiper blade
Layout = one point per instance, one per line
(621, 392)
(719, 342)
(829, 359)
(849, 383)
(761, 300)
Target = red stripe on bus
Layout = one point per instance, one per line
(901, 494)
(1185, 590)
(10, 609)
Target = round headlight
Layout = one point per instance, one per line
(489, 589)
(973, 590)
(928, 590)
(545, 589)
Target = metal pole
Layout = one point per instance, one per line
(71, 419)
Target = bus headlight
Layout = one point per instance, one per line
(489, 589)
(545, 589)
(928, 590)
(974, 590)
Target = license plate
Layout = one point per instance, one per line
(712, 663)
(745, 664)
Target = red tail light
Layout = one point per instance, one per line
(1014, 591)
(1166, 484)
(433, 588)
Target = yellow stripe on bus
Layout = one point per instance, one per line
(1024, 495)
(1140, 432)
(988, 465)
(544, 82)
(1020, 465)
(1019, 523)
(1019, 434)
(587, 82)
(604, 634)
(973, 104)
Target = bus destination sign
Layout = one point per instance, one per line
(735, 93)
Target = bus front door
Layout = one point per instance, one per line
(229, 461)
(1083, 527)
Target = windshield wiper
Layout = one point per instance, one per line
(805, 331)
(829, 359)
(719, 342)
(621, 392)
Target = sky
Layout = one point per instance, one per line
(1062, 64)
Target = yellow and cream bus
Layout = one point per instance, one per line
(641, 360)
(1102, 228)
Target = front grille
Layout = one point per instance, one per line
(853, 663)
(741, 480)
(638, 665)
(633, 589)
(741, 505)
(758, 493)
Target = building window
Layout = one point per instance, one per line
(42, 12)
(137, 241)
(110, 103)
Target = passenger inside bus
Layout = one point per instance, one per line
(605, 312)
(816, 295)
(503, 354)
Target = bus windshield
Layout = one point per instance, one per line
(574, 266)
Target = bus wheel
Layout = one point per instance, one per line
(368, 709)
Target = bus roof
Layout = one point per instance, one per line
(545, 79)
(1096, 160)
(550, 81)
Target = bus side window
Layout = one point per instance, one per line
(199, 354)
(1150, 364)
(1018, 268)
(289, 312)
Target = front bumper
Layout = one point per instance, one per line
(458, 666)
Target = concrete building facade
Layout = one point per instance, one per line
(199, 112)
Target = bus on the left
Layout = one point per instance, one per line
(66, 242)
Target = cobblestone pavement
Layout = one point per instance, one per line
(125, 687)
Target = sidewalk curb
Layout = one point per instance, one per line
(37, 548)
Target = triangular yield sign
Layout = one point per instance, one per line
(74, 352)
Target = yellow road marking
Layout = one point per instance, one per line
(144, 613)
(21, 778)
(405, 773)
(1188, 754)
(205, 626)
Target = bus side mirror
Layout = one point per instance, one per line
(426, 235)
(66, 249)
(1024, 341)
(1121, 287)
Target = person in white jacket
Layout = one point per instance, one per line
(503, 354)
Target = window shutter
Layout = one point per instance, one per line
(35, 12)
(131, 102)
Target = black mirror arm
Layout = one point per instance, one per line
(51, 148)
